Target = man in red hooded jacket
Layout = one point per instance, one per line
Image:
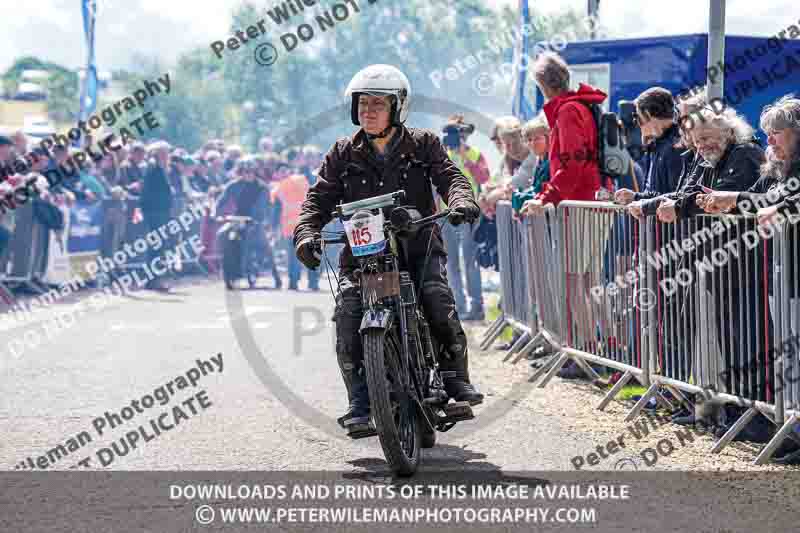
(574, 175)
(574, 167)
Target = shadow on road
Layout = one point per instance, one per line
(442, 464)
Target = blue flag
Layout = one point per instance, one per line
(522, 107)
(89, 89)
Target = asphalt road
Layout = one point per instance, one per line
(284, 419)
(208, 380)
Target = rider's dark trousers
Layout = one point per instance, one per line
(437, 303)
(256, 240)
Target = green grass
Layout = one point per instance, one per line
(492, 312)
(630, 390)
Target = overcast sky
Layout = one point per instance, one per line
(52, 29)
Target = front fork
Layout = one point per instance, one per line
(432, 387)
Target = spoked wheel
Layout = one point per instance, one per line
(252, 271)
(231, 263)
(393, 409)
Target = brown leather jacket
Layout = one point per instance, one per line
(352, 171)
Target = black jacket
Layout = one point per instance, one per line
(686, 180)
(352, 171)
(737, 170)
(782, 193)
(156, 193)
(664, 166)
(131, 173)
(786, 196)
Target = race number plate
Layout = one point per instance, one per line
(365, 234)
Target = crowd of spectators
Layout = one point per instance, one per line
(149, 183)
(718, 165)
(712, 164)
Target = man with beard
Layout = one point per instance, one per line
(731, 162)
(780, 175)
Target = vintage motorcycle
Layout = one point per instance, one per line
(406, 390)
(235, 266)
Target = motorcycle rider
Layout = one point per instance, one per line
(251, 199)
(384, 156)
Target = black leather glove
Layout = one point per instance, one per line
(460, 213)
(307, 251)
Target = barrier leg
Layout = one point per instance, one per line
(493, 332)
(587, 369)
(791, 435)
(734, 430)
(7, 296)
(35, 287)
(681, 398)
(523, 339)
(544, 368)
(626, 377)
(555, 368)
(651, 392)
(528, 348)
(769, 449)
(663, 402)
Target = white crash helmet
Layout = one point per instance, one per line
(379, 80)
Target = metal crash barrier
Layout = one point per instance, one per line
(707, 306)
(540, 253)
(785, 352)
(25, 260)
(103, 229)
(515, 292)
(600, 323)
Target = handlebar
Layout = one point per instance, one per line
(418, 224)
(235, 218)
(341, 239)
(427, 221)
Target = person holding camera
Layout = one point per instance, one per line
(459, 240)
(655, 114)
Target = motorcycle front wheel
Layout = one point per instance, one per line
(231, 262)
(253, 268)
(393, 409)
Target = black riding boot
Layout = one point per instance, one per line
(456, 380)
(349, 353)
(358, 412)
(440, 310)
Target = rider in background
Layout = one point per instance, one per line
(382, 157)
(247, 197)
